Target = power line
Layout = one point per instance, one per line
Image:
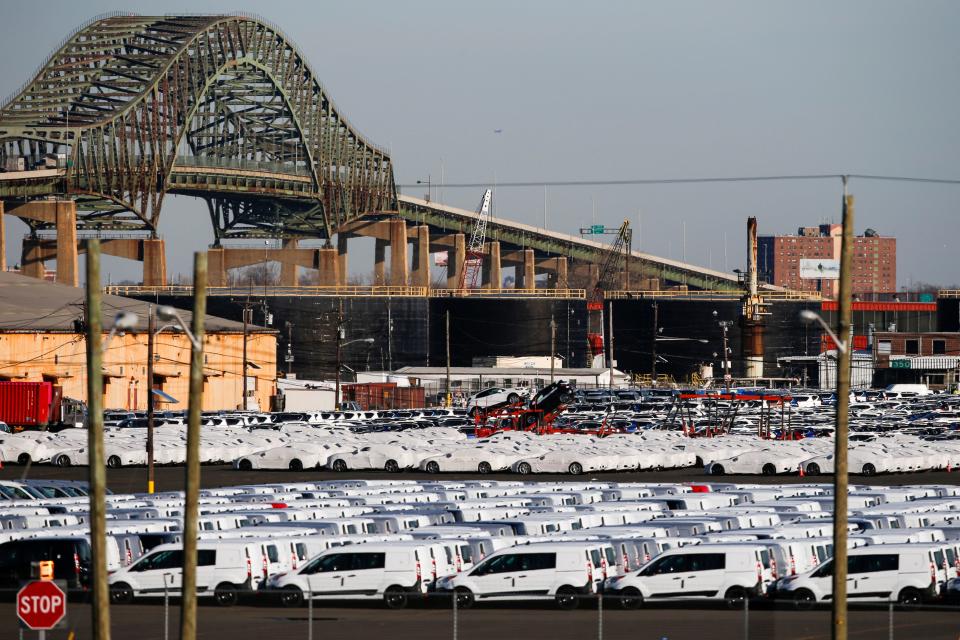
(694, 180)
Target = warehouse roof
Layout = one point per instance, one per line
(29, 304)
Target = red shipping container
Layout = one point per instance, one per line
(25, 404)
(384, 395)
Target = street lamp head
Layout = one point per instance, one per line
(166, 313)
(714, 313)
(124, 321)
(809, 316)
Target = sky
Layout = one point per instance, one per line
(620, 90)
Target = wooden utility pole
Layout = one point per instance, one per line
(839, 606)
(446, 400)
(553, 344)
(247, 310)
(336, 397)
(653, 347)
(188, 607)
(151, 330)
(100, 621)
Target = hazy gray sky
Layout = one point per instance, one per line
(619, 90)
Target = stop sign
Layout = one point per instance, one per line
(41, 605)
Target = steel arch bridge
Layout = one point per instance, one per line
(222, 107)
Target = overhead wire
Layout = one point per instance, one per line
(692, 180)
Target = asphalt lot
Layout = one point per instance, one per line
(134, 479)
(146, 622)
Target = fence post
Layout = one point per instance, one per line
(890, 619)
(309, 615)
(166, 609)
(599, 615)
(456, 621)
(746, 618)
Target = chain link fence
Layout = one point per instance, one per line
(396, 613)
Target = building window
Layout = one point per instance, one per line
(883, 346)
(939, 347)
(911, 347)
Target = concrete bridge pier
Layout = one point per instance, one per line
(154, 256)
(492, 269)
(342, 239)
(526, 271)
(328, 262)
(216, 267)
(288, 268)
(398, 253)
(63, 215)
(556, 269)
(32, 258)
(455, 257)
(379, 262)
(421, 256)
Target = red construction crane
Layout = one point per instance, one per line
(613, 265)
(473, 259)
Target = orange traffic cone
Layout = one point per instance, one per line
(801, 470)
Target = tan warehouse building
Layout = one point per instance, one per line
(42, 339)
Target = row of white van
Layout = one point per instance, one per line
(274, 537)
(399, 571)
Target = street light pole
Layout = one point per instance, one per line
(429, 189)
(151, 329)
(246, 314)
(610, 343)
(553, 345)
(336, 397)
(726, 354)
(446, 399)
(653, 347)
(839, 608)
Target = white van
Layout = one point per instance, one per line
(904, 573)
(391, 571)
(906, 390)
(710, 571)
(562, 571)
(224, 569)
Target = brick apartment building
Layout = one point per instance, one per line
(874, 260)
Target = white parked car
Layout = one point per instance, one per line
(389, 457)
(569, 461)
(494, 396)
(728, 572)
(391, 572)
(224, 569)
(564, 572)
(904, 573)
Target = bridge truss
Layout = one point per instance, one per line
(222, 107)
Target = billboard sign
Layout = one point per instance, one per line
(819, 269)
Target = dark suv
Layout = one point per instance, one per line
(71, 561)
